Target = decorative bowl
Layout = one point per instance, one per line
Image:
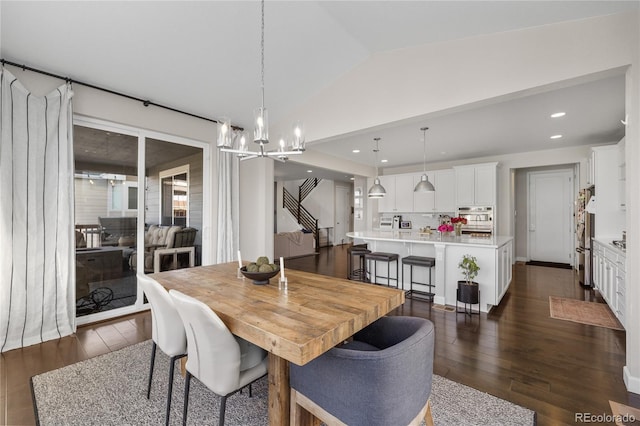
(259, 278)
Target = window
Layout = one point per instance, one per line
(123, 194)
(174, 206)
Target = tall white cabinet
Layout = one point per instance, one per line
(476, 185)
(399, 197)
(610, 217)
(442, 199)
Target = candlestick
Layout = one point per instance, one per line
(281, 267)
(239, 260)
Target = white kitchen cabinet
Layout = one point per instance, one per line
(609, 274)
(504, 259)
(424, 202)
(399, 196)
(442, 200)
(621, 282)
(609, 217)
(445, 184)
(465, 186)
(476, 185)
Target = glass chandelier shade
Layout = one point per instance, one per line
(224, 134)
(261, 126)
(377, 190)
(424, 185)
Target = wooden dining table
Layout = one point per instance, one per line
(297, 324)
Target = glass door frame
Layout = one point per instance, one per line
(142, 135)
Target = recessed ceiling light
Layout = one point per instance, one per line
(555, 137)
(443, 152)
(558, 114)
(309, 171)
(384, 161)
(352, 178)
(355, 151)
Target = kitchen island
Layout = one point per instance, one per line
(494, 256)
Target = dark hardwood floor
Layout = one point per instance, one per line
(517, 352)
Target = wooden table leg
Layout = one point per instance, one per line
(279, 398)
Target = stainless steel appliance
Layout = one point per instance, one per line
(585, 227)
(479, 220)
(396, 221)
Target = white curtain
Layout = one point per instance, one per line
(36, 215)
(228, 204)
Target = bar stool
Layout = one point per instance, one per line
(357, 274)
(382, 257)
(426, 262)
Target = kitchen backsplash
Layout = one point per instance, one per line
(421, 220)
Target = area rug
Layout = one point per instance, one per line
(445, 308)
(111, 390)
(590, 313)
(549, 264)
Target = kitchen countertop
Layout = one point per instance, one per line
(494, 241)
(608, 243)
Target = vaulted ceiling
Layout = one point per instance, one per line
(204, 57)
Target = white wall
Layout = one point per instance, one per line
(321, 203)
(285, 222)
(632, 104)
(256, 208)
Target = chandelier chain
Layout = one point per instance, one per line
(262, 54)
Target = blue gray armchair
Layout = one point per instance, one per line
(382, 377)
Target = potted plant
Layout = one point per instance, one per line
(468, 289)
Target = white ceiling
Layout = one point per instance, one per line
(204, 57)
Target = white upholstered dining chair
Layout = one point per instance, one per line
(224, 363)
(167, 331)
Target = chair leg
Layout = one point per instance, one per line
(428, 418)
(153, 359)
(223, 407)
(172, 365)
(187, 382)
(250, 391)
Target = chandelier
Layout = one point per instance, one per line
(227, 140)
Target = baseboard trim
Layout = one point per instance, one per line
(632, 383)
(522, 259)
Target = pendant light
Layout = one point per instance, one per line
(424, 185)
(226, 140)
(377, 190)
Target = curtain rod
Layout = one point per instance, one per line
(145, 102)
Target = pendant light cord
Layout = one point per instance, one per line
(262, 54)
(376, 155)
(424, 150)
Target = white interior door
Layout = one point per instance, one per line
(343, 214)
(551, 216)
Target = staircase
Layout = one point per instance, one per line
(298, 211)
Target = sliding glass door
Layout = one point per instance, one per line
(106, 211)
(132, 215)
